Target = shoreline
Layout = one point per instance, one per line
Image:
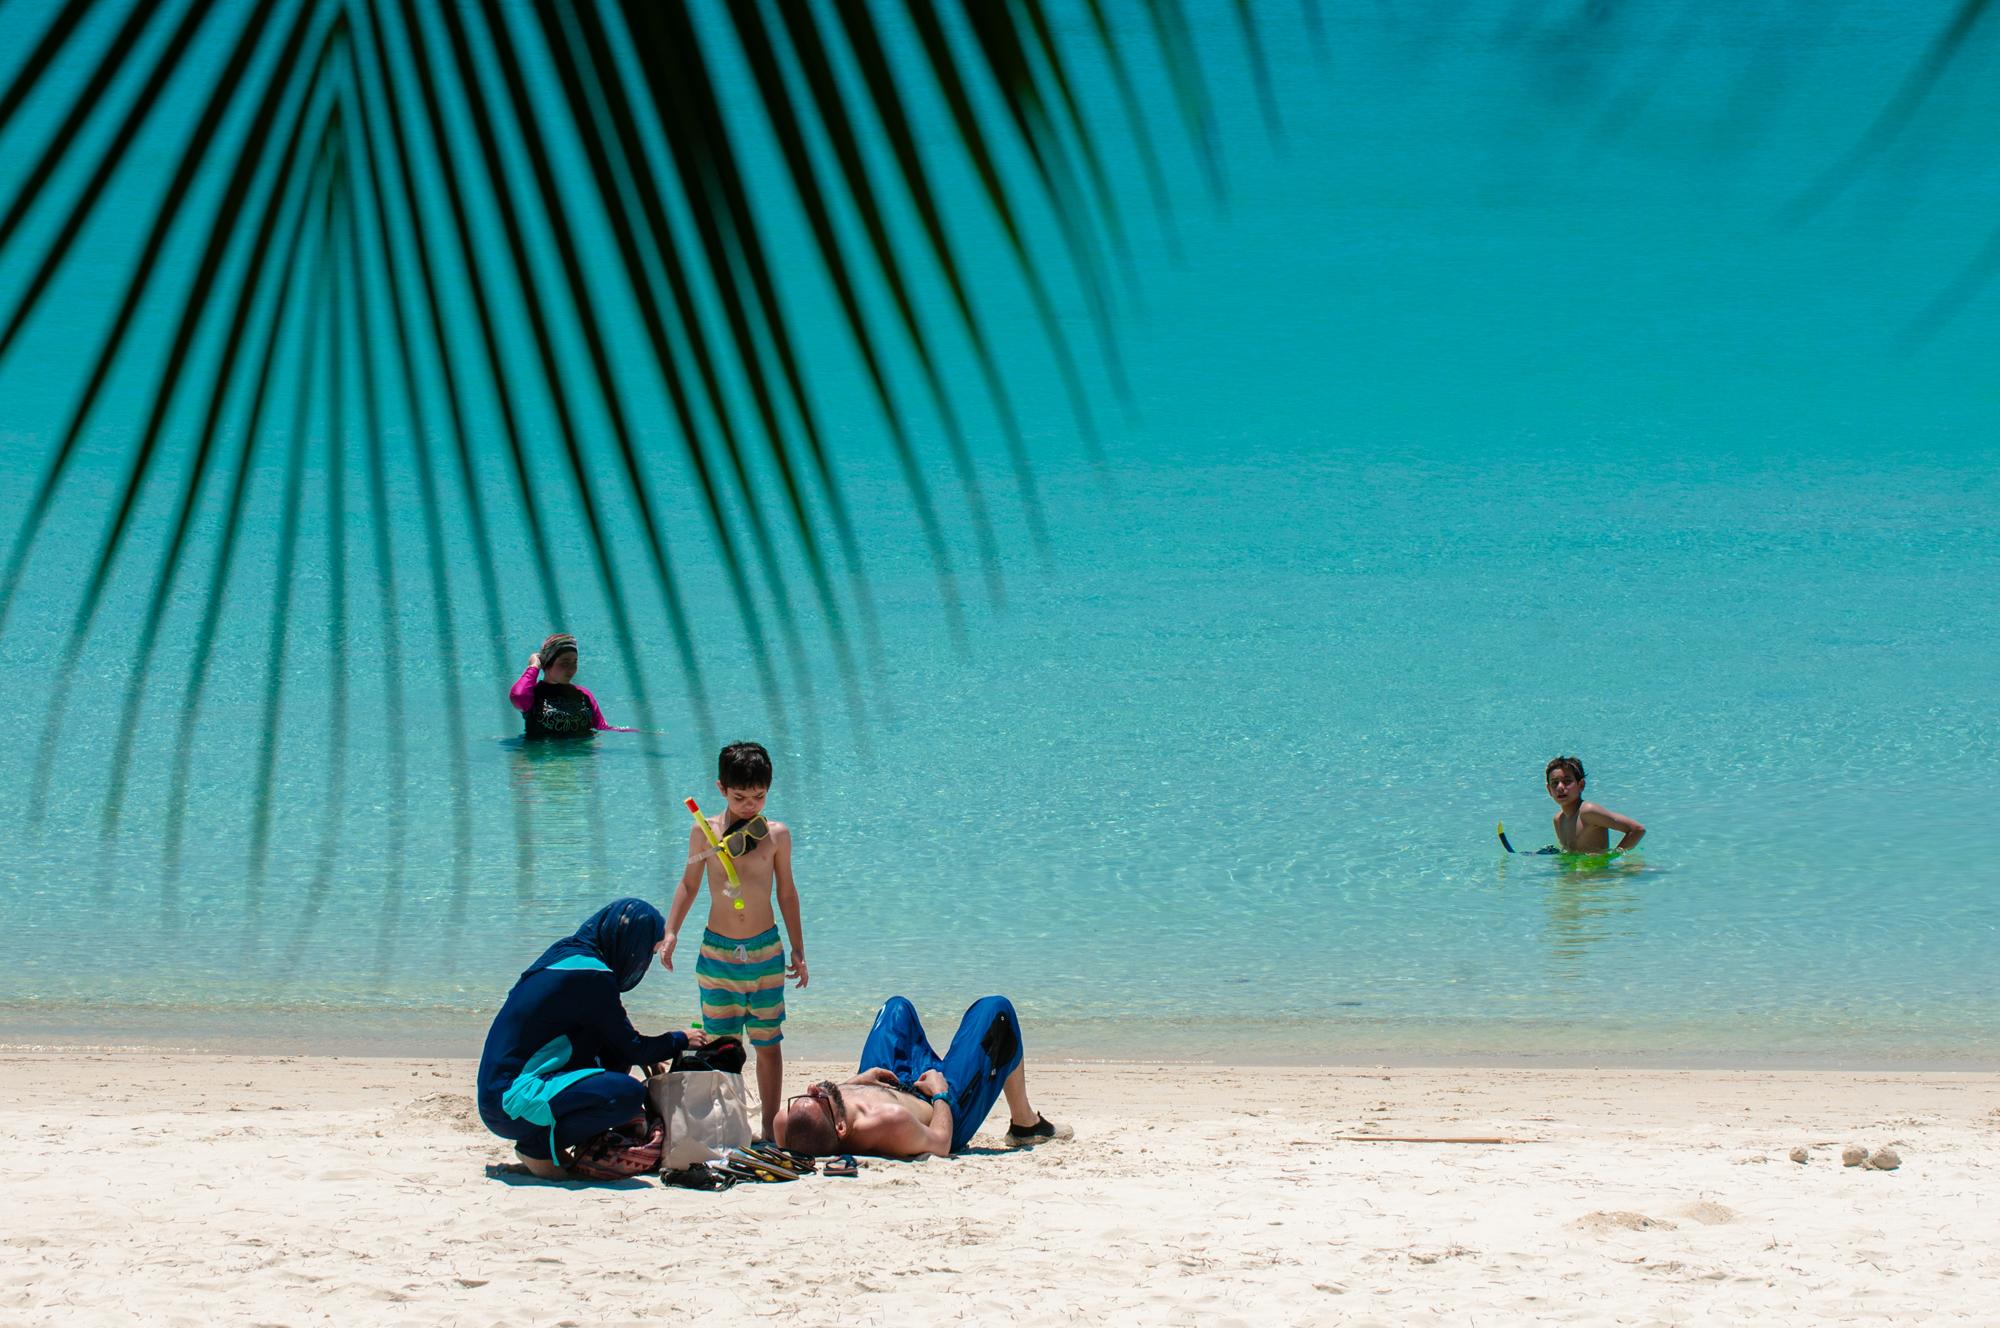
(1337, 1044)
(1555, 1062)
(294, 1189)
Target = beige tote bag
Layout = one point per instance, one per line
(707, 1113)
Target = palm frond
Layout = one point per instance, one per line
(232, 525)
(509, 207)
(1106, 198)
(1190, 94)
(812, 193)
(1897, 113)
(64, 136)
(843, 128)
(286, 183)
(194, 307)
(1260, 71)
(342, 162)
(972, 136)
(312, 346)
(53, 39)
(686, 116)
(1135, 123)
(624, 184)
(1006, 59)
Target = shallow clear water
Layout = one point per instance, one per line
(1502, 412)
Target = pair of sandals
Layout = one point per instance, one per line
(637, 1147)
(767, 1163)
(620, 1153)
(764, 1164)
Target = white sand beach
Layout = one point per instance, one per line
(186, 1189)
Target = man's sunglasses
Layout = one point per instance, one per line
(826, 1095)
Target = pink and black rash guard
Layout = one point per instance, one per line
(557, 709)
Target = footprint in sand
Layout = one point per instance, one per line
(454, 1111)
(1621, 1221)
(1709, 1213)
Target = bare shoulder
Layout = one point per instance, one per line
(1590, 811)
(781, 832)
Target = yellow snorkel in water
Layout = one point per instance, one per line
(735, 886)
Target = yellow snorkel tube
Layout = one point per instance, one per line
(735, 887)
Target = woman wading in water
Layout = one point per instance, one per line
(550, 702)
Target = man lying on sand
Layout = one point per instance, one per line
(908, 1101)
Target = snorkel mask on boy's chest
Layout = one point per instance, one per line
(742, 837)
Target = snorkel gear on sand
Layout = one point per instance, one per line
(735, 887)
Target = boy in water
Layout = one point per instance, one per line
(741, 970)
(1584, 827)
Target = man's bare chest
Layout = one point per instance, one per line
(872, 1107)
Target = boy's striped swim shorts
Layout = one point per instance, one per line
(742, 984)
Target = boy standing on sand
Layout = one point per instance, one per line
(741, 970)
(1584, 827)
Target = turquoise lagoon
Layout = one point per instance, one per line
(1506, 406)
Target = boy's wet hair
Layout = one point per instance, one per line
(744, 765)
(1569, 763)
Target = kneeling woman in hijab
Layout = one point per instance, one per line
(555, 1074)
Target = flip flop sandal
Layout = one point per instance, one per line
(745, 1167)
(700, 1176)
(782, 1159)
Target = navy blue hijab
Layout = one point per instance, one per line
(622, 934)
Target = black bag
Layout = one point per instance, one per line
(724, 1054)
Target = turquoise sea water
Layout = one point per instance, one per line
(1504, 408)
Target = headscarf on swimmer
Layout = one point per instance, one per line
(555, 647)
(622, 935)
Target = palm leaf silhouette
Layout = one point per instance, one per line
(383, 204)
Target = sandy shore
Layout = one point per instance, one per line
(189, 1189)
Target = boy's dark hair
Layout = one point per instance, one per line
(744, 765)
(1569, 763)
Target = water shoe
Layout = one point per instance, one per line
(1042, 1131)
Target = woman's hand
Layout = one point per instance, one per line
(535, 660)
(697, 1038)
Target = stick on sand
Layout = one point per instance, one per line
(1427, 1139)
